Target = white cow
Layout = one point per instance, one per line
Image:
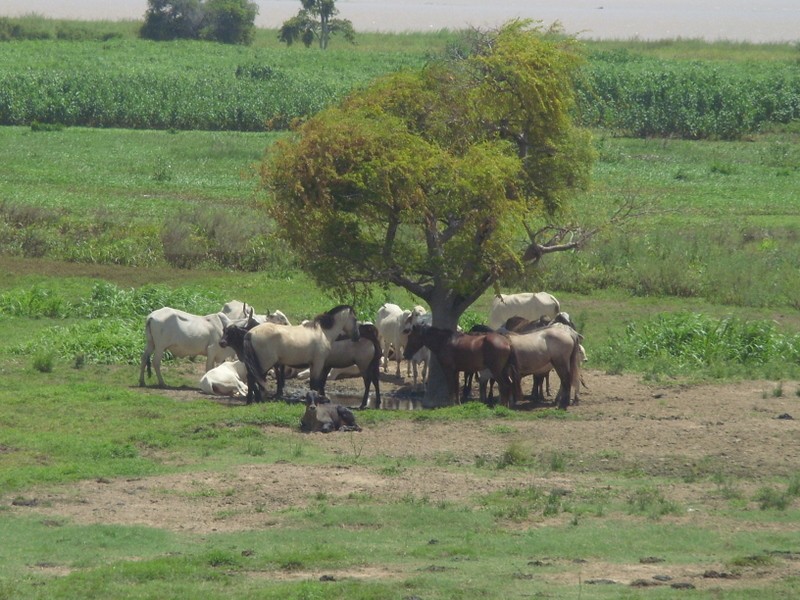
(227, 379)
(528, 305)
(390, 322)
(236, 310)
(183, 334)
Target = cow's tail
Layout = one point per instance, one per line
(557, 308)
(511, 375)
(148, 341)
(250, 360)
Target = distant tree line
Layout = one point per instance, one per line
(226, 21)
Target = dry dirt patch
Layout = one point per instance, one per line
(735, 429)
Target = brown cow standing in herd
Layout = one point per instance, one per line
(508, 356)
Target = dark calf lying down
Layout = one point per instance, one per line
(323, 416)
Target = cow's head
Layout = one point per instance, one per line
(416, 340)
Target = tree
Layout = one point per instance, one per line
(230, 21)
(316, 21)
(227, 21)
(440, 181)
(171, 20)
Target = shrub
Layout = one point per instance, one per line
(43, 362)
(650, 502)
(771, 499)
(690, 342)
(230, 21)
(171, 20)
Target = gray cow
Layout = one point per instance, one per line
(323, 416)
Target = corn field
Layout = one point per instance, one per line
(645, 97)
(196, 85)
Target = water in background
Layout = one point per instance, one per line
(744, 20)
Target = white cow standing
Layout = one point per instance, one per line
(183, 334)
(227, 379)
(390, 322)
(528, 305)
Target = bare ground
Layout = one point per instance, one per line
(733, 430)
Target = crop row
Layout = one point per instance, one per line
(149, 86)
(688, 99)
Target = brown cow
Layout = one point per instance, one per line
(457, 352)
(323, 416)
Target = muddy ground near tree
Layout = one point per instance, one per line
(741, 431)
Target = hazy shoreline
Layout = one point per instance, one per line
(735, 20)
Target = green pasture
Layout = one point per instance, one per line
(98, 226)
(92, 424)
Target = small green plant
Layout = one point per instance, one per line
(43, 361)
(794, 486)
(80, 361)
(753, 560)
(777, 391)
(391, 470)
(356, 445)
(255, 448)
(296, 450)
(37, 126)
(162, 172)
(553, 505)
(769, 498)
(649, 501)
(558, 462)
(514, 455)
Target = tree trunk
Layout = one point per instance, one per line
(445, 315)
(436, 390)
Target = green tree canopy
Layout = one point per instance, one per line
(227, 21)
(316, 22)
(439, 181)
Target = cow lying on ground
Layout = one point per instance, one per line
(323, 416)
(227, 379)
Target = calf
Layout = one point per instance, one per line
(226, 379)
(422, 357)
(323, 416)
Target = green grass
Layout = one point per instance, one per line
(95, 560)
(92, 196)
(103, 76)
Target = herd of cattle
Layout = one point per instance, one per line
(527, 335)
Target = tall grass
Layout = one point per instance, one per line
(178, 85)
(110, 320)
(680, 343)
(124, 82)
(694, 100)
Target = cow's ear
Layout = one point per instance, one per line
(224, 320)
